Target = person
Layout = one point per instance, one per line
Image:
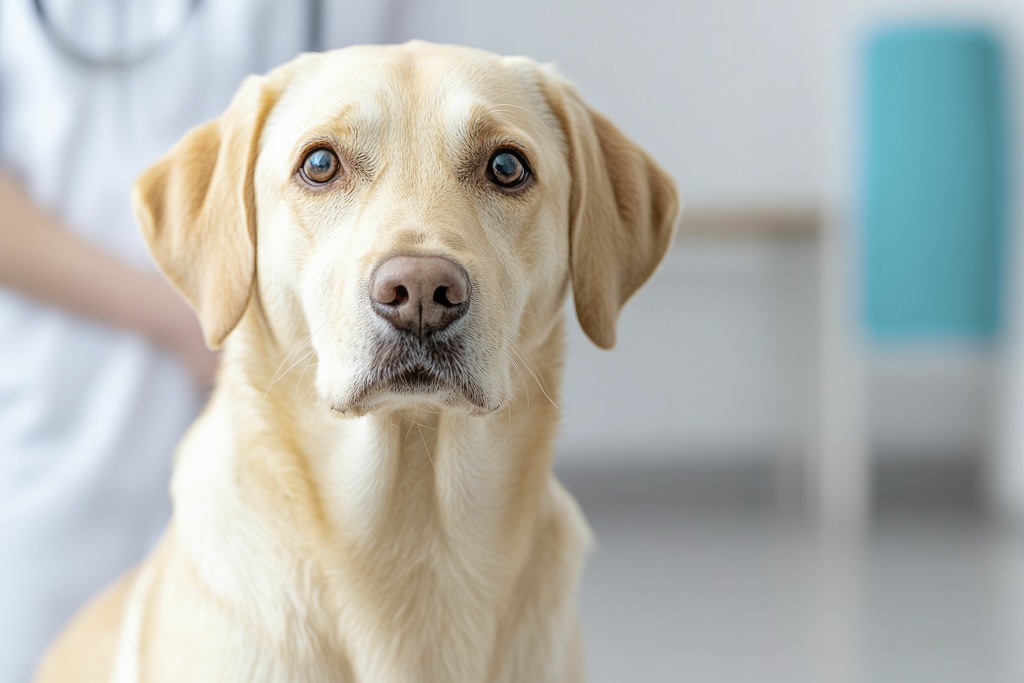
(102, 365)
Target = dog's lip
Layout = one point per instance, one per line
(414, 380)
(371, 396)
(410, 368)
(423, 381)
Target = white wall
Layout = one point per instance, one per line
(713, 360)
(726, 94)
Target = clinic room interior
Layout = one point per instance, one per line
(803, 461)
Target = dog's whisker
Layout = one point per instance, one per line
(295, 351)
(290, 367)
(302, 373)
(408, 431)
(540, 383)
(522, 377)
(525, 359)
(419, 424)
(531, 368)
(303, 340)
(313, 416)
(278, 375)
(292, 351)
(522, 356)
(292, 347)
(427, 409)
(426, 448)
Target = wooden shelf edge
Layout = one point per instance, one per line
(751, 222)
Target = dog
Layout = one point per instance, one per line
(382, 238)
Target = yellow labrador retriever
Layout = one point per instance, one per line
(382, 238)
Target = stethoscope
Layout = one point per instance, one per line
(124, 41)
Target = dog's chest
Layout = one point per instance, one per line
(425, 614)
(418, 634)
(433, 620)
(407, 572)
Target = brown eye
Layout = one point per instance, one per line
(320, 166)
(507, 169)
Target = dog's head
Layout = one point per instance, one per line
(416, 211)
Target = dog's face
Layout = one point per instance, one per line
(411, 211)
(416, 212)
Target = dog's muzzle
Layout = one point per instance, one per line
(420, 345)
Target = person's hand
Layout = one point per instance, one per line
(41, 259)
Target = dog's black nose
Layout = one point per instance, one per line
(419, 294)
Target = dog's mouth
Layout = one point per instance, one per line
(408, 367)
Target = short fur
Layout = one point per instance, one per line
(327, 526)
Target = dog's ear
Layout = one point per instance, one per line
(623, 211)
(196, 207)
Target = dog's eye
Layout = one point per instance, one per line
(507, 169)
(320, 166)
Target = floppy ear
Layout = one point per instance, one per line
(196, 208)
(623, 211)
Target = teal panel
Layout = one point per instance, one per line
(934, 188)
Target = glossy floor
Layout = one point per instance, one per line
(689, 587)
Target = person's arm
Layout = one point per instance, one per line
(42, 260)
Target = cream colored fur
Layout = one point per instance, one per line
(324, 533)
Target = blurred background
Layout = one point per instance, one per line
(804, 461)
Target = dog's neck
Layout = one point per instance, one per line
(424, 496)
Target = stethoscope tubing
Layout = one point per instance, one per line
(92, 61)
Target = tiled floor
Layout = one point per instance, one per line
(685, 587)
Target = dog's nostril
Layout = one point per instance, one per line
(441, 297)
(401, 296)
